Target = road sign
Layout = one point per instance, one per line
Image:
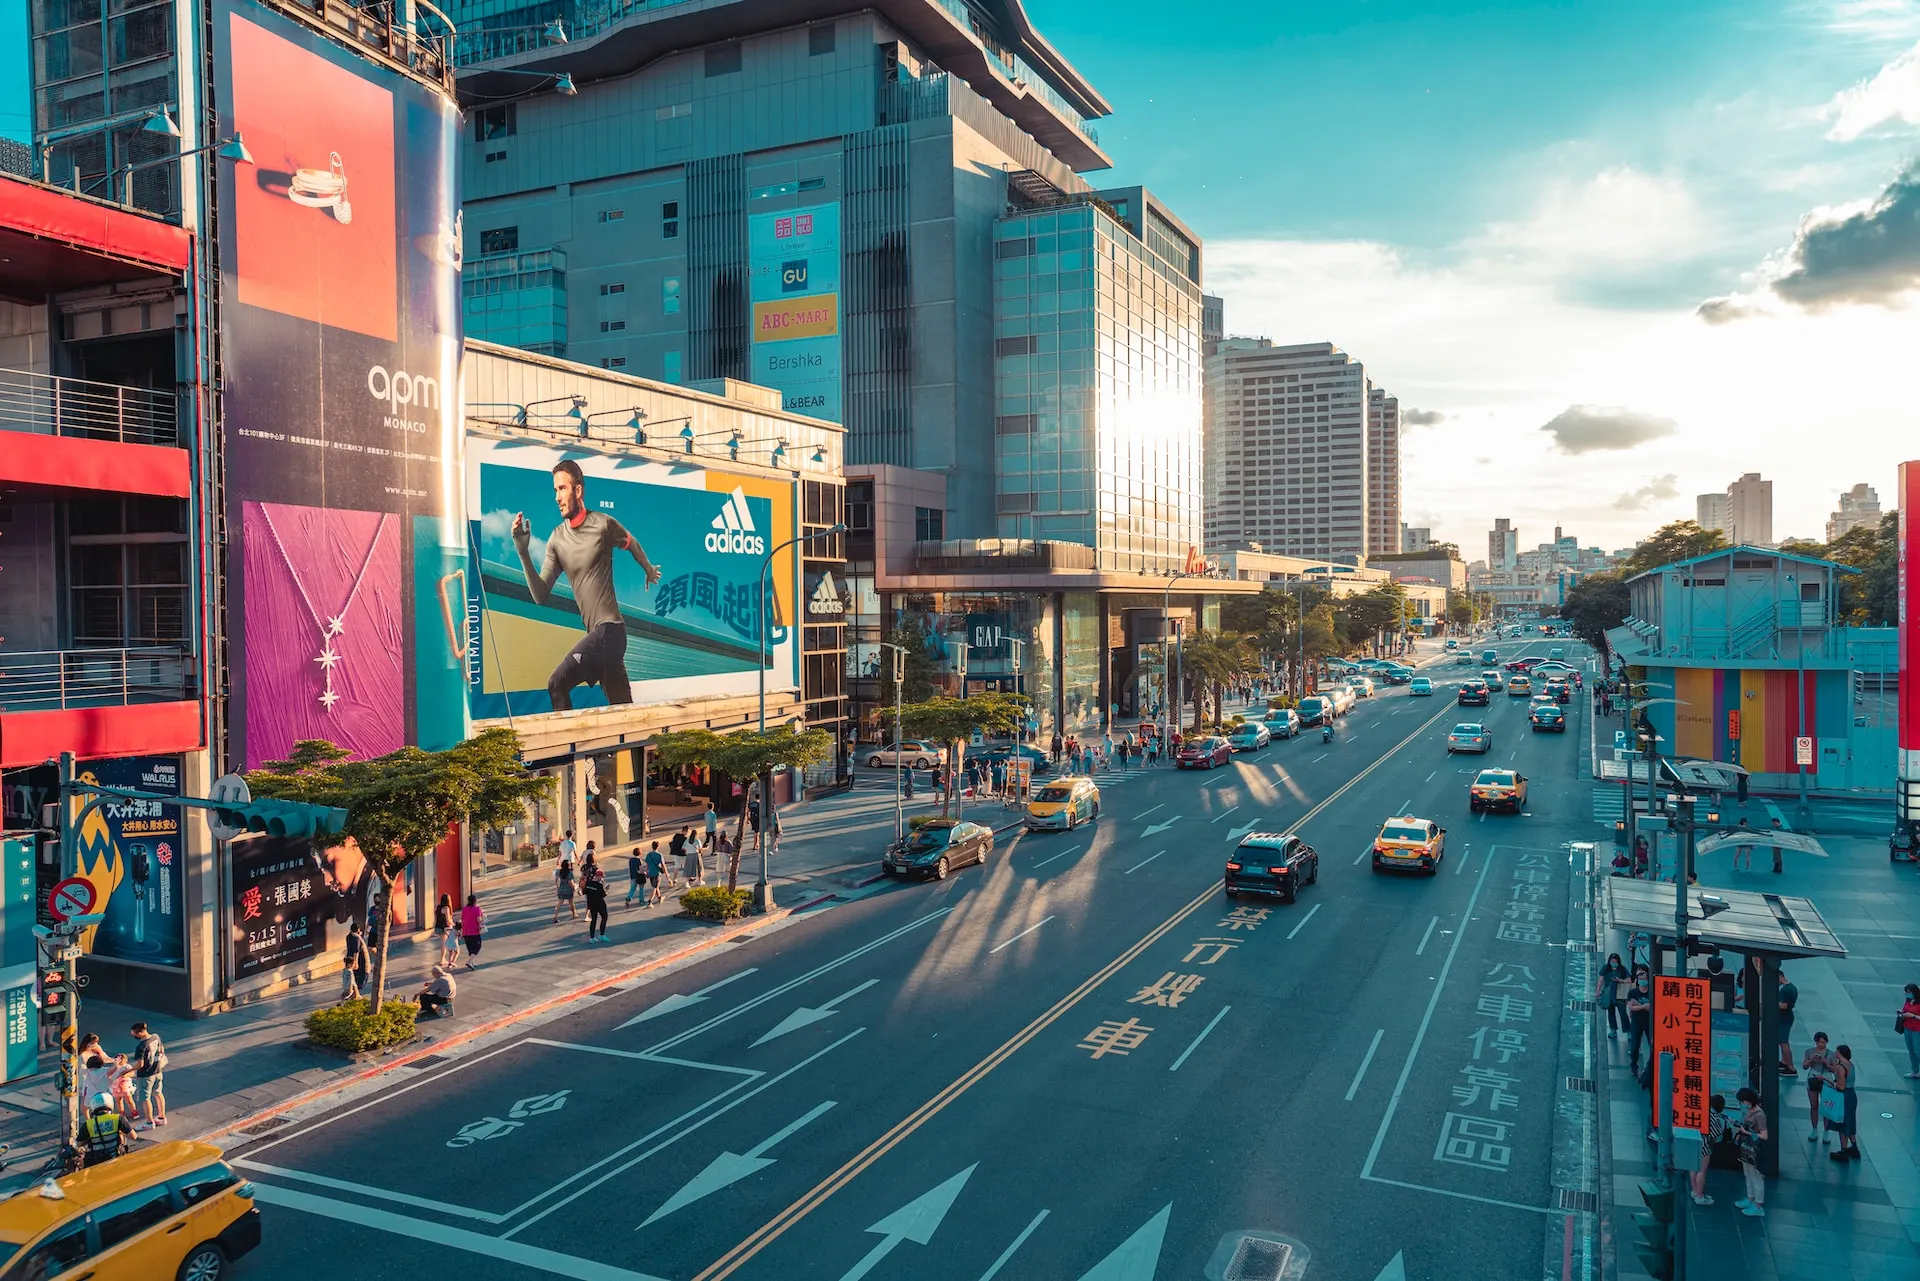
(1733, 724)
(1803, 750)
(1682, 1027)
(228, 789)
(74, 896)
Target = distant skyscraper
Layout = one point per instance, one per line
(1710, 512)
(1415, 538)
(1213, 322)
(1859, 506)
(1383, 473)
(1750, 511)
(1503, 545)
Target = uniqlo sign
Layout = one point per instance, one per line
(1682, 1020)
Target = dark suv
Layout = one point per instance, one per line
(1271, 863)
(1474, 694)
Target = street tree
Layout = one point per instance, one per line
(1870, 598)
(402, 805)
(751, 754)
(1680, 540)
(912, 636)
(1594, 604)
(1212, 660)
(953, 721)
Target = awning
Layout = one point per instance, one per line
(1766, 837)
(1626, 642)
(1751, 922)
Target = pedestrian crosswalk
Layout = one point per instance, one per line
(1608, 805)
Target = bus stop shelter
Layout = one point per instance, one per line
(1766, 931)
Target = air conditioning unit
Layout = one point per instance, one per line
(896, 60)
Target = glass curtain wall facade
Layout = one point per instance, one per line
(1098, 382)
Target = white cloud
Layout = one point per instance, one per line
(1891, 96)
(1619, 216)
(1659, 489)
(1585, 429)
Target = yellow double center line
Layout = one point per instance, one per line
(734, 1259)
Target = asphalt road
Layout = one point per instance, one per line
(1080, 1061)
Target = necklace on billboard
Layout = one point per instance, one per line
(323, 189)
(328, 657)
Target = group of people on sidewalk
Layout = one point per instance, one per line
(124, 1093)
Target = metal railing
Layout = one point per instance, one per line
(46, 680)
(588, 18)
(51, 406)
(380, 25)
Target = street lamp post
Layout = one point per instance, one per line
(1168, 692)
(763, 889)
(899, 684)
(1799, 688)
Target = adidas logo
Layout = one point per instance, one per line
(733, 530)
(826, 598)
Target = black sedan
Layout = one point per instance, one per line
(1474, 694)
(1271, 863)
(934, 849)
(1548, 717)
(1203, 753)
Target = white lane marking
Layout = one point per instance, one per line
(642, 1057)
(1355, 1087)
(1142, 863)
(1466, 852)
(1022, 934)
(341, 1185)
(807, 1015)
(1464, 1196)
(1316, 760)
(1421, 950)
(1305, 919)
(493, 1247)
(679, 1001)
(1223, 813)
(1433, 1002)
(1195, 1044)
(1406, 806)
(1009, 1252)
(1362, 854)
(1043, 862)
(1429, 777)
(1144, 813)
(729, 1168)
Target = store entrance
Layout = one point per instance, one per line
(676, 796)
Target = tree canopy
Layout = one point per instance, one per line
(751, 754)
(1870, 598)
(1594, 604)
(953, 721)
(1680, 540)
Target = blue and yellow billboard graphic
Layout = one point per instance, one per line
(795, 292)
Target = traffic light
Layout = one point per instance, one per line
(56, 991)
(281, 818)
(1655, 1246)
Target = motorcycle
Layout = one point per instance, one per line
(1903, 843)
(1326, 733)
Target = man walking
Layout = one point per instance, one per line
(581, 546)
(1788, 997)
(713, 822)
(149, 1069)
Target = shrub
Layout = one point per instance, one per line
(352, 1027)
(715, 902)
(526, 854)
(920, 820)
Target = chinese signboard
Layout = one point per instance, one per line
(281, 897)
(134, 853)
(17, 959)
(794, 287)
(1681, 1027)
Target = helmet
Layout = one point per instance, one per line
(101, 1102)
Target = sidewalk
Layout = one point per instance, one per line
(1839, 1221)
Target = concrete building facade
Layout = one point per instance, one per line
(1743, 514)
(1859, 507)
(1503, 545)
(1383, 473)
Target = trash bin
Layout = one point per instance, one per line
(1620, 833)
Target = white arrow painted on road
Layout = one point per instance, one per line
(729, 1168)
(916, 1221)
(1138, 1256)
(1239, 832)
(808, 1014)
(1158, 828)
(680, 1001)
(1394, 1271)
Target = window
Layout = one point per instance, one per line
(1013, 248)
(201, 1185)
(501, 240)
(490, 123)
(669, 219)
(673, 111)
(670, 366)
(1015, 424)
(723, 60)
(128, 1217)
(616, 288)
(612, 326)
(1023, 345)
(613, 362)
(64, 1250)
(930, 524)
(495, 155)
(670, 295)
(819, 39)
(612, 215)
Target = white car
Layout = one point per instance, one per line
(911, 752)
(1362, 686)
(1249, 737)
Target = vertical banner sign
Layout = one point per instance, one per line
(279, 901)
(17, 957)
(133, 851)
(1681, 1027)
(340, 258)
(794, 287)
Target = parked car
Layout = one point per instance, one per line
(1410, 842)
(1344, 699)
(911, 752)
(1469, 736)
(1203, 753)
(1497, 789)
(1271, 863)
(1249, 736)
(1362, 686)
(936, 848)
(1420, 687)
(1064, 804)
(1315, 709)
(1282, 722)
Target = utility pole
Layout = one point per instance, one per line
(899, 685)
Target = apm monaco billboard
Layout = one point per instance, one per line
(340, 344)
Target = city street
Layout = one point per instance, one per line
(1078, 1061)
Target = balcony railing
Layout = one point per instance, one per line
(51, 406)
(46, 681)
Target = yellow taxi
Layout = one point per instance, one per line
(1409, 842)
(1518, 686)
(1495, 789)
(169, 1210)
(1063, 804)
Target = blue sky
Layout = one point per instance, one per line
(14, 100)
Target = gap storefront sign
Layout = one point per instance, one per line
(794, 287)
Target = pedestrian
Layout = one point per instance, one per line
(1846, 1078)
(567, 847)
(1743, 851)
(1639, 1018)
(906, 787)
(563, 881)
(149, 1074)
(1777, 851)
(104, 1133)
(1908, 1021)
(692, 869)
(1817, 1063)
(1716, 1132)
(655, 870)
(590, 855)
(443, 929)
(723, 851)
(1789, 996)
(1611, 992)
(593, 884)
(636, 875)
(1749, 1133)
(1054, 755)
(436, 998)
(774, 829)
(473, 923)
(353, 968)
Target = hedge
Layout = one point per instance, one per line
(715, 902)
(352, 1027)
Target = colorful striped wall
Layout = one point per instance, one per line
(1768, 714)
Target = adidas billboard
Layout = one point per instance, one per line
(733, 530)
(825, 601)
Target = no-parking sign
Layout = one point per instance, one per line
(72, 897)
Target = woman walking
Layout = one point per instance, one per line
(593, 883)
(473, 923)
(1909, 1023)
(563, 891)
(1749, 1134)
(1716, 1131)
(1817, 1063)
(1611, 993)
(444, 929)
(693, 871)
(1845, 1078)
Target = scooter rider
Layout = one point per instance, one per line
(1326, 732)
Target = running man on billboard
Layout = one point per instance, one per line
(582, 546)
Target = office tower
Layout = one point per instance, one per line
(1859, 507)
(1383, 473)
(1710, 512)
(1415, 538)
(1750, 511)
(1503, 545)
(1287, 449)
(1213, 322)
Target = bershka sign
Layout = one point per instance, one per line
(733, 531)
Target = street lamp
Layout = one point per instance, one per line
(763, 891)
(1169, 692)
(228, 148)
(899, 684)
(1800, 687)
